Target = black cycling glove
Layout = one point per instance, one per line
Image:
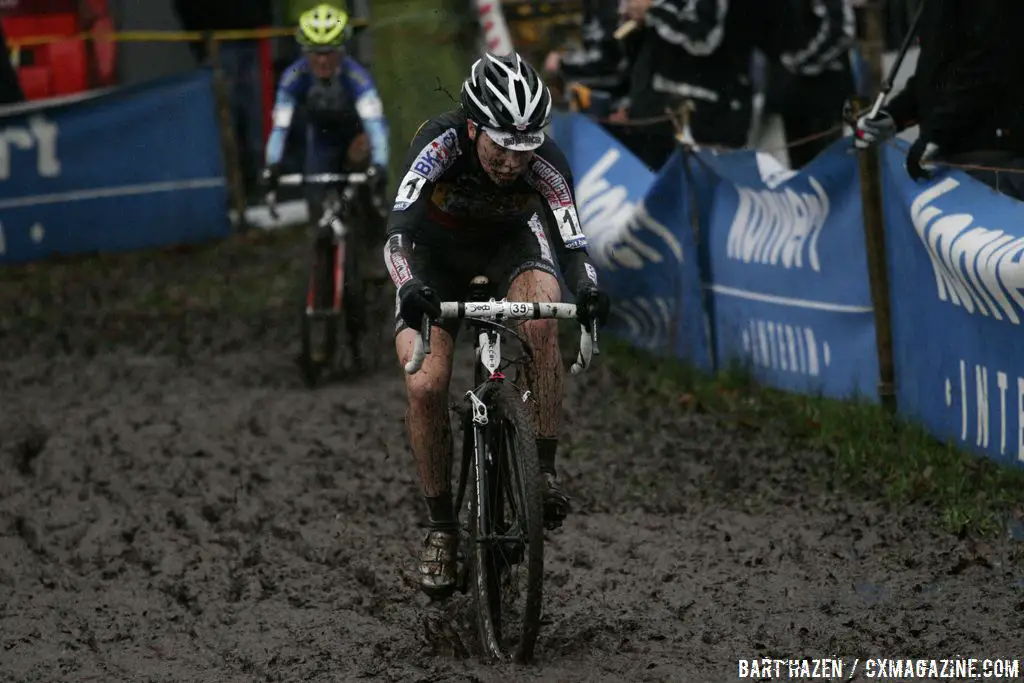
(268, 179)
(377, 180)
(592, 304)
(416, 299)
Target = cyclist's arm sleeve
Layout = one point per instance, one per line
(434, 149)
(550, 175)
(371, 110)
(284, 110)
(697, 26)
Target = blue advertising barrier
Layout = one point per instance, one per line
(640, 237)
(787, 268)
(782, 257)
(956, 271)
(131, 168)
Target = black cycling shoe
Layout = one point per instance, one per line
(438, 563)
(556, 502)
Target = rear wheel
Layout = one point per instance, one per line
(507, 530)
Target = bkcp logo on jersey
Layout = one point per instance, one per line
(435, 157)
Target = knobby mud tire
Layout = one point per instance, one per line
(512, 440)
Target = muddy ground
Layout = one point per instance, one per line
(176, 506)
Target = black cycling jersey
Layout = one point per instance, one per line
(446, 204)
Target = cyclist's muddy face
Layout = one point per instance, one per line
(503, 166)
(324, 64)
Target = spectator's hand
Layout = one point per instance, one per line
(553, 62)
(919, 157)
(870, 132)
(636, 9)
(619, 116)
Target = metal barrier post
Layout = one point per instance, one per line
(229, 143)
(874, 225)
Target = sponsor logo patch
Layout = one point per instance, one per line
(435, 158)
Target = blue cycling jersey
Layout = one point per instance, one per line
(356, 91)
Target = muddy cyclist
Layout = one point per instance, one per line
(484, 191)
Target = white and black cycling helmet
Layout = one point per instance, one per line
(507, 98)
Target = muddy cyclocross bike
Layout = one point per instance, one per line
(505, 529)
(336, 287)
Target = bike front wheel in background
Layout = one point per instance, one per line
(319, 332)
(507, 501)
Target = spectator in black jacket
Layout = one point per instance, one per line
(601, 63)
(241, 64)
(696, 50)
(810, 74)
(10, 89)
(967, 94)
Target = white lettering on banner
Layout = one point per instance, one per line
(649, 320)
(975, 384)
(612, 223)
(790, 348)
(976, 268)
(42, 135)
(776, 228)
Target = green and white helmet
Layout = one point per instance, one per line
(324, 27)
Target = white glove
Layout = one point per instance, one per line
(870, 132)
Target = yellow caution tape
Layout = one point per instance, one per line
(162, 36)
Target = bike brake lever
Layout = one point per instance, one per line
(425, 331)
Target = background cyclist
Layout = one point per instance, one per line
(346, 128)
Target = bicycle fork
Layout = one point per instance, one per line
(333, 239)
(482, 457)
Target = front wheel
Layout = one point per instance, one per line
(507, 510)
(319, 324)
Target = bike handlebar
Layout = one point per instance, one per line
(507, 310)
(322, 178)
(294, 179)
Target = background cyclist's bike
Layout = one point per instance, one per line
(502, 545)
(337, 290)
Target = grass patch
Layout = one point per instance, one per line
(867, 450)
(242, 274)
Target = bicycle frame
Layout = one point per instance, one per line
(485, 317)
(331, 273)
(335, 218)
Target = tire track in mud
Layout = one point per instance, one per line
(174, 505)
